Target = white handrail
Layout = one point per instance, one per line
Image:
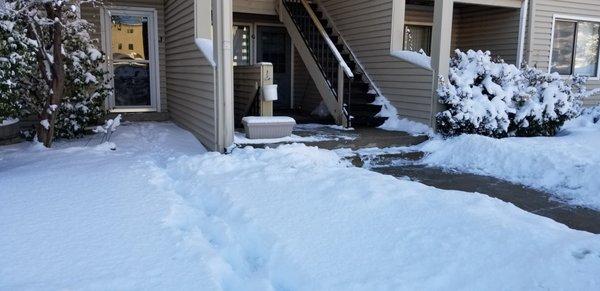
(330, 43)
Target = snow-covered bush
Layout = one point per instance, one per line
(67, 85)
(86, 82)
(479, 95)
(552, 102)
(492, 98)
(17, 63)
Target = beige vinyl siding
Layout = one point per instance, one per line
(190, 77)
(366, 26)
(543, 12)
(488, 28)
(306, 94)
(254, 6)
(92, 14)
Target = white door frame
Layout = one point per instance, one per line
(106, 31)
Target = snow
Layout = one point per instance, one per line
(395, 123)
(45, 123)
(159, 214)
(240, 138)
(9, 121)
(566, 165)
(206, 47)
(268, 119)
(416, 58)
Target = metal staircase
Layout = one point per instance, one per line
(329, 62)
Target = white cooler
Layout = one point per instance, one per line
(264, 127)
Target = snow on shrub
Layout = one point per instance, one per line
(17, 61)
(496, 99)
(77, 72)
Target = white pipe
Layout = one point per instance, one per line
(522, 30)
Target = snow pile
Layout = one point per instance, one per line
(155, 215)
(416, 58)
(497, 99)
(395, 123)
(566, 165)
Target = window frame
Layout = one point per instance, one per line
(251, 40)
(576, 19)
(414, 23)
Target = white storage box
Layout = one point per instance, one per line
(263, 127)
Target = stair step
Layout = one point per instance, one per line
(364, 109)
(367, 121)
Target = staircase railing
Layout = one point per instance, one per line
(331, 63)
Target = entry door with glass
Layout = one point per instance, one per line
(131, 45)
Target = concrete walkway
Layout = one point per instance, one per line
(528, 199)
(403, 165)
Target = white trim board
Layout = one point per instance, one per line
(154, 63)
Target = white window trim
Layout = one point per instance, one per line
(153, 38)
(556, 17)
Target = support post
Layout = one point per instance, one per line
(440, 49)
(222, 26)
(340, 95)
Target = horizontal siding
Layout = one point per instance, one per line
(366, 26)
(539, 48)
(306, 94)
(92, 14)
(493, 29)
(189, 77)
(254, 6)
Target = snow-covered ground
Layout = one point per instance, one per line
(566, 165)
(158, 214)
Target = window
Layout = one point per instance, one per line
(417, 37)
(575, 48)
(241, 45)
(130, 30)
(130, 46)
(120, 46)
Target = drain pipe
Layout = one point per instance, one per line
(522, 30)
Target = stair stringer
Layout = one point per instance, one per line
(327, 94)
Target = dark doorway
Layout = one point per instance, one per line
(274, 46)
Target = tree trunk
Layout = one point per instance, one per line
(46, 135)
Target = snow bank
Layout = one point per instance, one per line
(395, 123)
(566, 165)
(155, 215)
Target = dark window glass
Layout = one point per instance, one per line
(417, 37)
(563, 47)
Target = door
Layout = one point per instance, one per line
(274, 46)
(131, 45)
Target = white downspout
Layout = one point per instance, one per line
(522, 32)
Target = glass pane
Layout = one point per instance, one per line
(132, 83)
(241, 45)
(273, 48)
(417, 37)
(562, 47)
(586, 54)
(129, 37)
